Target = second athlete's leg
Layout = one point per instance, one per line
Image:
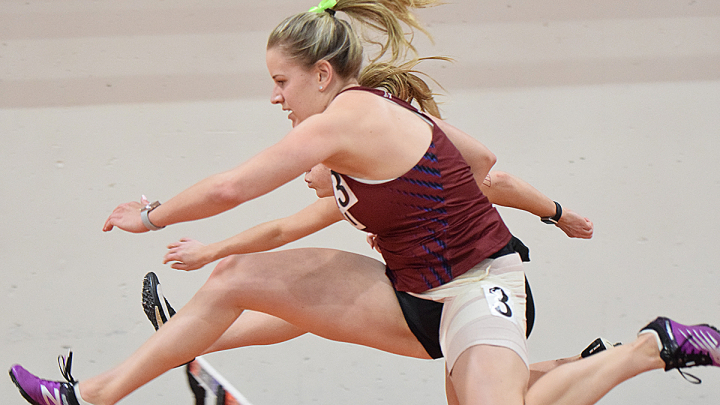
(336, 295)
(250, 329)
(255, 329)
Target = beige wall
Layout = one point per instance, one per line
(612, 108)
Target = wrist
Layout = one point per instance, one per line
(553, 220)
(216, 251)
(212, 253)
(145, 216)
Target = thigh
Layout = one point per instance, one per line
(489, 311)
(489, 375)
(337, 295)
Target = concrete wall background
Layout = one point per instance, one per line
(612, 108)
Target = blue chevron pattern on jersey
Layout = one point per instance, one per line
(426, 180)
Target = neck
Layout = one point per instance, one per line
(349, 84)
(339, 87)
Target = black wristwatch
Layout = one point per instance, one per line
(553, 220)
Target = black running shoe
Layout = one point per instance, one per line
(156, 307)
(686, 346)
(44, 392)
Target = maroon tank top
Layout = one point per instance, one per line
(432, 223)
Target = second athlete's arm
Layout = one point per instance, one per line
(188, 254)
(510, 191)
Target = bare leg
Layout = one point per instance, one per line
(450, 393)
(336, 295)
(538, 370)
(585, 381)
(489, 375)
(255, 329)
(495, 375)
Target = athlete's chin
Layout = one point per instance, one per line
(294, 119)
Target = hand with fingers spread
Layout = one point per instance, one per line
(127, 217)
(187, 254)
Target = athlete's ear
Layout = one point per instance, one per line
(324, 72)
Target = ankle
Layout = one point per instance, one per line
(85, 394)
(649, 345)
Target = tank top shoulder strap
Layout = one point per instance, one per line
(389, 96)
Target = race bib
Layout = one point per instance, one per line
(345, 198)
(500, 302)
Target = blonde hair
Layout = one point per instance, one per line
(310, 37)
(403, 82)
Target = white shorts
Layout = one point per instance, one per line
(484, 306)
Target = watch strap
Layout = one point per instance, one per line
(553, 220)
(146, 219)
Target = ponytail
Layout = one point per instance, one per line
(403, 82)
(387, 18)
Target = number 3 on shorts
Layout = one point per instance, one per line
(500, 303)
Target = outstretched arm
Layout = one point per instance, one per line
(189, 254)
(509, 191)
(308, 144)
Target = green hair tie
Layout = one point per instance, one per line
(323, 6)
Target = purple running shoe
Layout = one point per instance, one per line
(43, 392)
(686, 346)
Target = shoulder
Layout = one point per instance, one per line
(355, 100)
(348, 113)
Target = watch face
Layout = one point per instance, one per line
(151, 206)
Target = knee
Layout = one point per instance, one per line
(231, 270)
(227, 265)
(234, 279)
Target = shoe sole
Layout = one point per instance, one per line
(156, 307)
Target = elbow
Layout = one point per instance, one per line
(491, 159)
(225, 193)
(482, 164)
(499, 179)
(496, 187)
